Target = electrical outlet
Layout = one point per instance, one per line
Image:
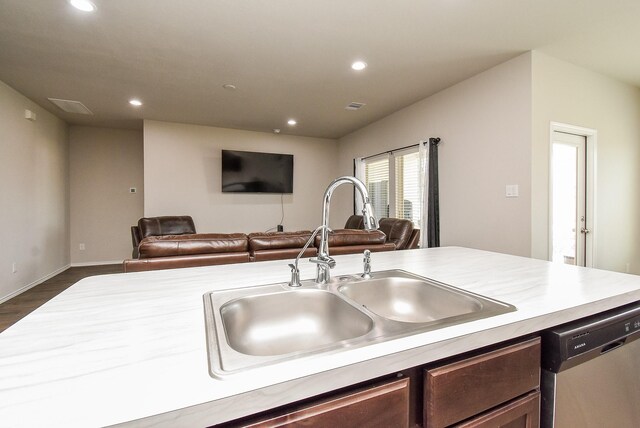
(14, 267)
(81, 247)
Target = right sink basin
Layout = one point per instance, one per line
(400, 296)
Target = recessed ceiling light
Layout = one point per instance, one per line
(230, 87)
(83, 5)
(292, 122)
(135, 102)
(276, 130)
(359, 65)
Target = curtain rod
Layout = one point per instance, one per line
(431, 140)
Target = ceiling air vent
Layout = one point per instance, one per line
(70, 106)
(355, 106)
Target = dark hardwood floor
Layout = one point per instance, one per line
(23, 304)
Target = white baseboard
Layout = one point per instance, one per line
(112, 262)
(34, 283)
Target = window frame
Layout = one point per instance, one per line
(391, 157)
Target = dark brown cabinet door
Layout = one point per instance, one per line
(383, 406)
(464, 389)
(520, 413)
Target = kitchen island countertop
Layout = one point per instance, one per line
(130, 348)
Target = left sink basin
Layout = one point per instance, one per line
(256, 326)
(290, 321)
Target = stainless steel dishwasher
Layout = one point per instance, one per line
(591, 371)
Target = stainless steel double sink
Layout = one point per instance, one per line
(261, 325)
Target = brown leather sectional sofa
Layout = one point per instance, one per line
(172, 242)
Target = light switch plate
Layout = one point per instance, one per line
(512, 191)
(29, 115)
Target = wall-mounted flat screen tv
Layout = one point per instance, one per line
(254, 172)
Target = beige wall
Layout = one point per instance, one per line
(182, 173)
(485, 126)
(104, 164)
(565, 93)
(34, 194)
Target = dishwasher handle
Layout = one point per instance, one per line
(613, 345)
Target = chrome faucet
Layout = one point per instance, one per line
(324, 262)
(295, 272)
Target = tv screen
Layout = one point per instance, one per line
(255, 172)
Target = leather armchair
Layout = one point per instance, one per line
(398, 231)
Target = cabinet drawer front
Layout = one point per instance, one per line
(459, 390)
(383, 406)
(523, 412)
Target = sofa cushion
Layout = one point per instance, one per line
(353, 249)
(398, 231)
(278, 240)
(346, 237)
(167, 225)
(202, 243)
(282, 254)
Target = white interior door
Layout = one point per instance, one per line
(569, 216)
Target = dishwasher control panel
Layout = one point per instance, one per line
(573, 343)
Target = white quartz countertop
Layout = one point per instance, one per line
(130, 348)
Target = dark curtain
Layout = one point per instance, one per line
(354, 188)
(433, 215)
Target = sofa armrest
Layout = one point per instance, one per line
(414, 240)
(135, 240)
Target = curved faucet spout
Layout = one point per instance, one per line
(370, 222)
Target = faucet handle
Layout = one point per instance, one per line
(327, 262)
(295, 276)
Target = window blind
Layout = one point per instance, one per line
(377, 182)
(407, 184)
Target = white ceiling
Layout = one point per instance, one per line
(290, 58)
